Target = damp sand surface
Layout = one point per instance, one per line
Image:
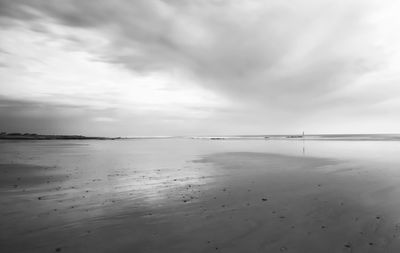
(147, 197)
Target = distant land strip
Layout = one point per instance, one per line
(30, 136)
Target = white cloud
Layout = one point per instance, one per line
(255, 66)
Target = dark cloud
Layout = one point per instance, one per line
(20, 115)
(32, 116)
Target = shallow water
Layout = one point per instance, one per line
(197, 195)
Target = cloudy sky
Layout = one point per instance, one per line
(181, 67)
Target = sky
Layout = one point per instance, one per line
(201, 67)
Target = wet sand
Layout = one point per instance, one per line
(222, 202)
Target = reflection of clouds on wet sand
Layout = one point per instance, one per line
(42, 206)
(136, 196)
(306, 205)
(161, 184)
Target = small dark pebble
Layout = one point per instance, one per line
(347, 245)
(264, 199)
(378, 217)
(371, 243)
(323, 227)
(58, 249)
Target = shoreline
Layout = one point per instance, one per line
(55, 137)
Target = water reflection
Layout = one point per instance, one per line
(67, 186)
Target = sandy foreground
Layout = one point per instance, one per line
(228, 202)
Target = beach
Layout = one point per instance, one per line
(199, 196)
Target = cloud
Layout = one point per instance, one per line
(268, 57)
(24, 115)
(239, 47)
